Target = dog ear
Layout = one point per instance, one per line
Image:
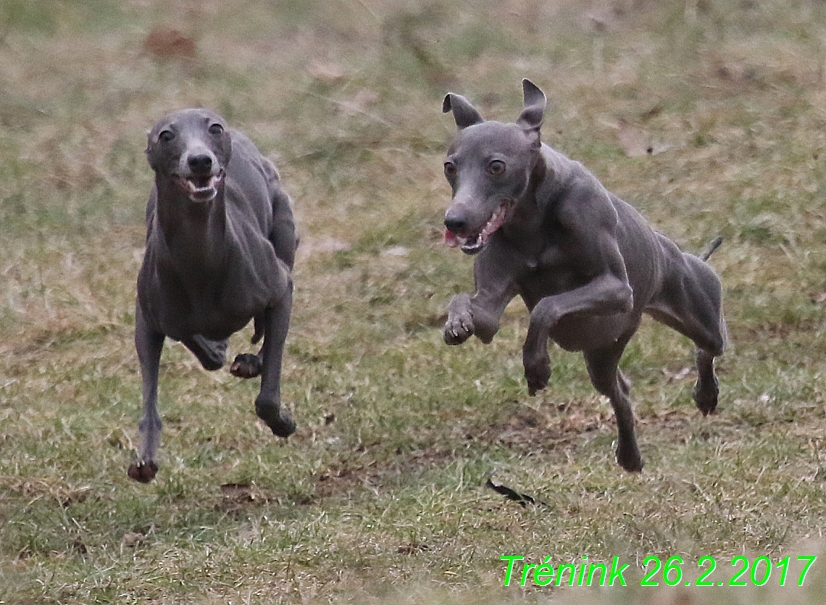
(148, 150)
(531, 117)
(463, 112)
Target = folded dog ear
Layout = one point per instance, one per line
(531, 117)
(148, 150)
(463, 112)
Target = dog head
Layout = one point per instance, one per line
(191, 149)
(489, 166)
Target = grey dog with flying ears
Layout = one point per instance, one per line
(586, 263)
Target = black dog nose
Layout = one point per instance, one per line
(454, 224)
(200, 164)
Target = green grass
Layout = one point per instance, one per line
(380, 496)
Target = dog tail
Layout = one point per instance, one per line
(715, 243)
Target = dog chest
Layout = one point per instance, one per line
(539, 283)
(180, 313)
(550, 271)
(214, 304)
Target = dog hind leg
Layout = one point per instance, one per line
(211, 353)
(693, 307)
(248, 365)
(608, 380)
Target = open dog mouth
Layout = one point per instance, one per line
(201, 188)
(472, 243)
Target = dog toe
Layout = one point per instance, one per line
(279, 421)
(633, 466)
(143, 471)
(455, 336)
(282, 428)
(246, 366)
(705, 396)
(458, 329)
(537, 375)
(631, 462)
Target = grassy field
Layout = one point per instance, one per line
(380, 496)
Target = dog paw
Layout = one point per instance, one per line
(630, 459)
(458, 329)
(246, 365)
(705, 396)
(143, 471)
(537, 373)
(459, 326)
(279, 420)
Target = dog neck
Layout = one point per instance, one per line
(194, 232)
(526, 217)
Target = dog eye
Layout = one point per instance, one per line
(496, 167)
(450, 170)
(216, 129)
(166, 136)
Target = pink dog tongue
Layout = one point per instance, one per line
(451, 239)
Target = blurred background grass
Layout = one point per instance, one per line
(708, 115)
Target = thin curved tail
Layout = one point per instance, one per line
(715, 243)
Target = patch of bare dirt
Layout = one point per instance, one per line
(170, 44)
(238, 497)
(344, 476)
(530, 428)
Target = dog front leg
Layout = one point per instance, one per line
(480, 314)
(149, 345)
(459, 326)
(211, 353)
(248, 365)
(605, 295)
(268, 403)
(477, 315)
